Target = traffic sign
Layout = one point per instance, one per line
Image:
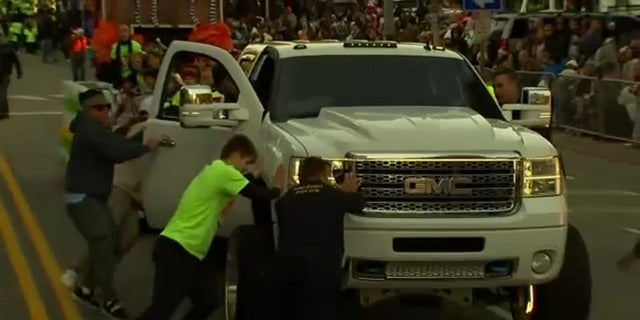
(483, 5)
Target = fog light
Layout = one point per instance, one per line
(541, 263)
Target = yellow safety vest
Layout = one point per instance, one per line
(15, 30)
(31, 34)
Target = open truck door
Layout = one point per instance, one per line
(198, 132)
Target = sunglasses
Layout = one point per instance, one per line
(102, 107)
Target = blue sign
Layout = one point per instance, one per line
(483, 5)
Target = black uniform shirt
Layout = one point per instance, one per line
(310, 222)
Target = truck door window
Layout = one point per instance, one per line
(262, 79)
(188, 68)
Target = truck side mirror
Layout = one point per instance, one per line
(200, 108)
(535, 109)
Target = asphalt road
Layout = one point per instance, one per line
(603, 189)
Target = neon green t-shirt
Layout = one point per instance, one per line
(195, 222)
(136, 47)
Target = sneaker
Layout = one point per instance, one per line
(86, 296)
(114, 310)
(70, 279)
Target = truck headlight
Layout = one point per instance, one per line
(338, 168)
(542, 177)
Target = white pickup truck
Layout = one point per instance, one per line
(462, 201)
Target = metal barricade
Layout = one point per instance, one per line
(607, 108)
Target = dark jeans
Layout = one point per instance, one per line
(93, 219)
(180, 275)
(4, 95)
(77, 69)
(127, 222)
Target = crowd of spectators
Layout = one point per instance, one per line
(592, 68)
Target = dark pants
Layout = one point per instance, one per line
(121, 205)
(96, 224)
(321, 300)
(180, 275)
(293, 290)
(77, 68)
(4, 96)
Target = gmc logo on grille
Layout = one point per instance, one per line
(439, 187)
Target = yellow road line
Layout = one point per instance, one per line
(44, 252)
(20, 266)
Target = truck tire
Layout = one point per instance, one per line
(568, 297)
(249, 249)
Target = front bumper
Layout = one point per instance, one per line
(516, 245)
(539, 226)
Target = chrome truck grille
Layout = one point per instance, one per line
(437, 186)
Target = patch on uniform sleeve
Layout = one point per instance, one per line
(308, 188)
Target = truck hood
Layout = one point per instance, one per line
(411, 129)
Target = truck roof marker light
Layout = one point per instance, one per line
(371, 44)
(299, 47)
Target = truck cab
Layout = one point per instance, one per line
(459, 195)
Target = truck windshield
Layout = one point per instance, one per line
(307, 84)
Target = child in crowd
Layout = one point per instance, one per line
(149, 77)
(136, 64)
(154, 58)
(79, 47)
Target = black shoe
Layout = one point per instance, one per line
(114, 310)
(86, 296)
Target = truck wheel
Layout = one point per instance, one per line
(568, 297)
(250, 247)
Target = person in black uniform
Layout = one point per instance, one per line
(310, 221)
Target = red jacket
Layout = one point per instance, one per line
(79, 45)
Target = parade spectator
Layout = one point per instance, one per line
(79, 46)
(122, 50)
(630, 67)
(592, 39)
(608, 54)
(47, 29)
(8, 61)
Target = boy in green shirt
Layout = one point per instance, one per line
(182, 256)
